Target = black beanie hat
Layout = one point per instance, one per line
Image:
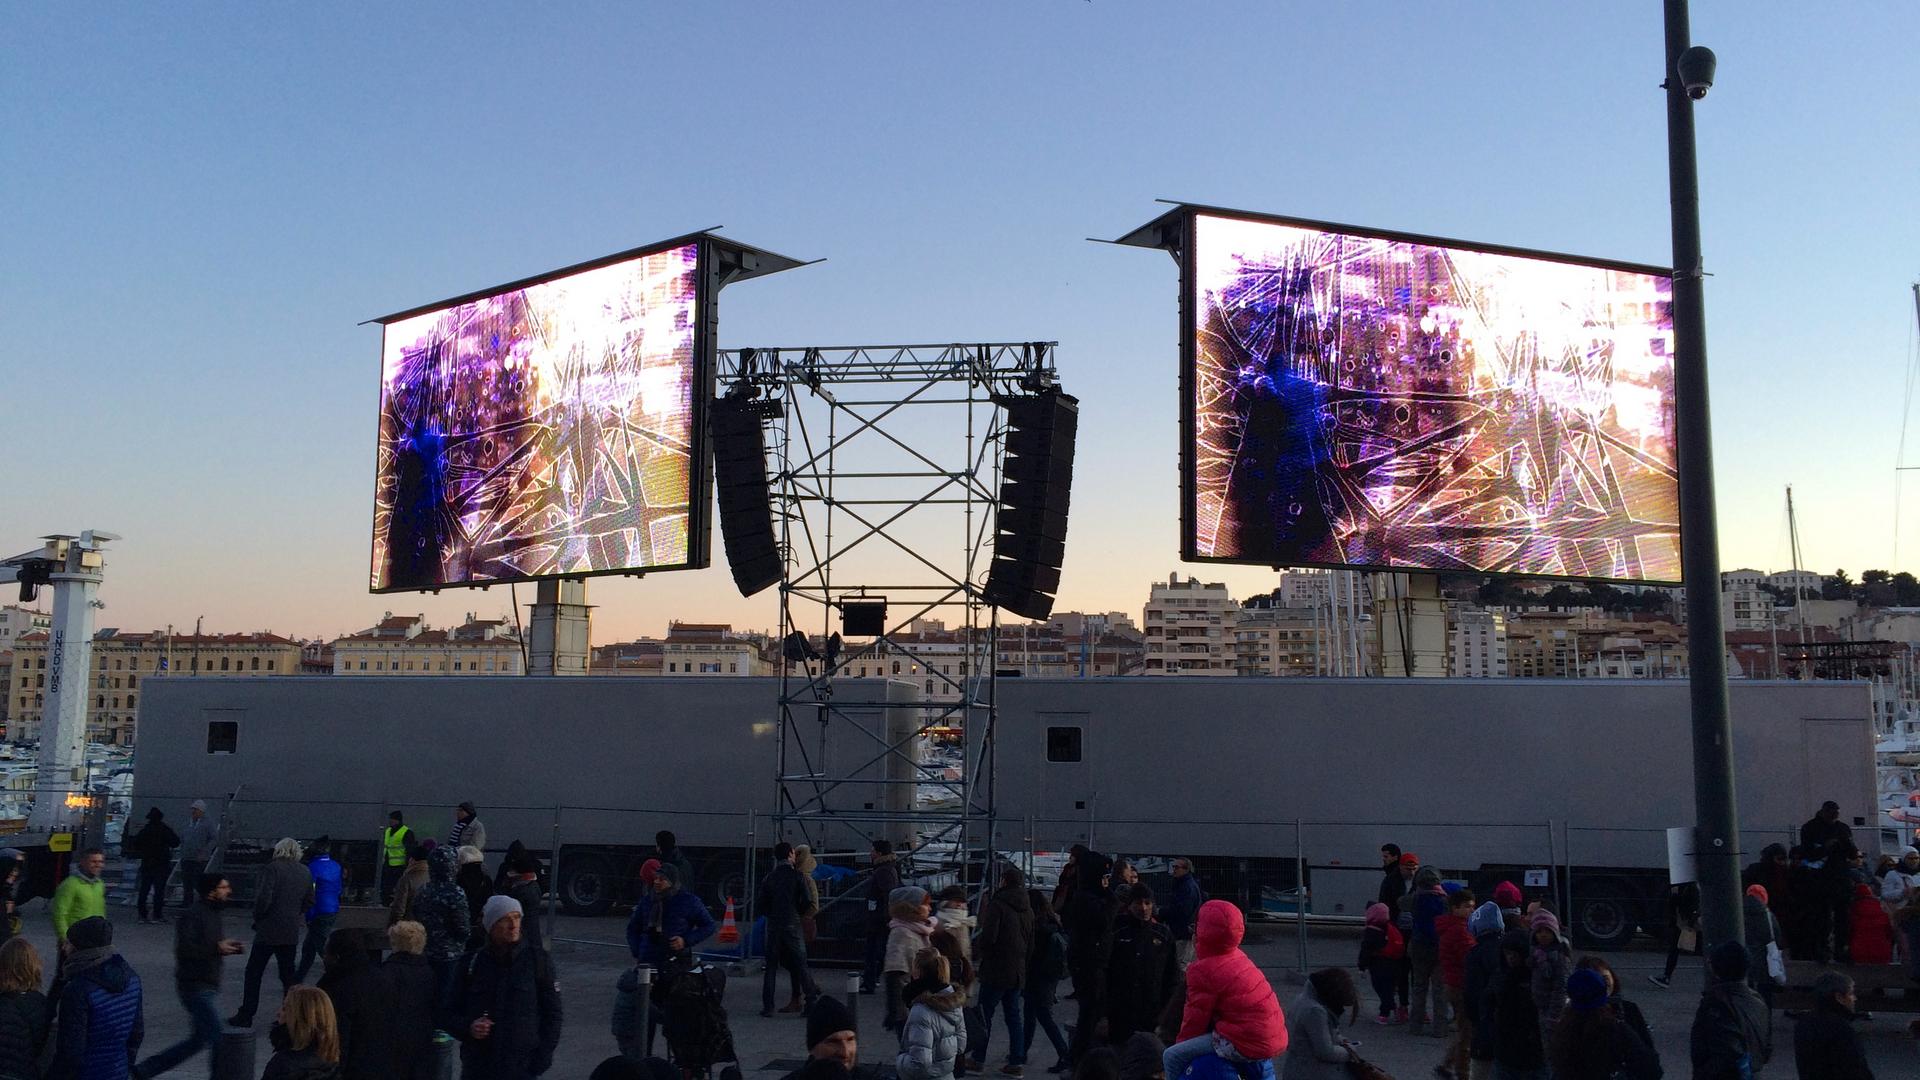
(827, 1016)
(1728, 960)
(92, 932)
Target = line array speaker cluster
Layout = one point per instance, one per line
(1035, 480)
(746, 501)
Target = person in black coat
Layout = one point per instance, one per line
(352, 982)
(1825, 1046)
(880, 884)
(506, 1010)
(26, 1016)
(1483, 967)
(474, 882)
(153, 845)
(1141, 968)
(403, 1033)
(1089, 925)
(783, 900)
(1517, 1045)
(1732, 1034)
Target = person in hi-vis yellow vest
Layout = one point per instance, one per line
(394, 841)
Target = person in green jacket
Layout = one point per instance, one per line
(82, 895)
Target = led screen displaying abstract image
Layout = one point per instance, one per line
(539, 431)
(1382, 402)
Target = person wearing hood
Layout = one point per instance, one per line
(328, 880)
(1487, 925)
(281, 895)
(1383, 954)
(1591, 1042)
(1870, 931)
(1143, 1057)
(1004, 948)
(909, 931)
(1732, 1033)
(1549, 961)
(360, 1002)
(467, 830)
(1142, 969)
(200, 944)
(1315, 1048)
(441, 908)
(1762, 930)
(477, 885)
(506, 1010)
(1426, 903)
(1825, 1044)
(153, 845)
(101, 1021)
(1519, 1051)
(782, 901)
(197, 843)
(1506, 895)
(805, 863)
(935, 1028)
(667, 920)
(1230, 1009)
(1623, 1007)
(81, 894)
(26, 1016)
(833, 1042)
(1089, 922)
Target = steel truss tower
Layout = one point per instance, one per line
(885, 466)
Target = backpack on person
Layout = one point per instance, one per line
(1052, 962)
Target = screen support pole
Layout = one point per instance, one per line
(1716, 824)
(558, 634)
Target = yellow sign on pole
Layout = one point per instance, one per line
(60, 841)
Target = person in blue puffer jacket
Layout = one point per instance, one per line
(99, 1021)
(667, 920)
(325, 909)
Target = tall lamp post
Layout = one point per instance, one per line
(1689, 74)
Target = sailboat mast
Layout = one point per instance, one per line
(1799, 591)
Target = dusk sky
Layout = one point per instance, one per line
(202, 202)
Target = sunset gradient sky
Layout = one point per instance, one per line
(203, 201)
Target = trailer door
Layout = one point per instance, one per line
(1066, 788)
(1837, 765)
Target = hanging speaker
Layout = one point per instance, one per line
(746, 503)
(1036, 482)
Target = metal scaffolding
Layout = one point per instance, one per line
(885, 465)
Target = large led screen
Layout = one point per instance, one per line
(542, 430)
(1396, 403)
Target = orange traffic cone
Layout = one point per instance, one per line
(729, 928)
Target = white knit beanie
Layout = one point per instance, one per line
(498, 907)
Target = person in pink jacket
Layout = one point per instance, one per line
(1231, 1010)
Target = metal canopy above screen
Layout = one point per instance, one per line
(1377, 400)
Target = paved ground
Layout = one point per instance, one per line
(588, 972)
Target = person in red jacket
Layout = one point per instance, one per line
(1872, 941)
(1231, 1011)
(1456, 941)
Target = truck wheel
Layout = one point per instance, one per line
(1605, 914)
(586, 884)
(722, 877)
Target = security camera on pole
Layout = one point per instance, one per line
(1689, 74)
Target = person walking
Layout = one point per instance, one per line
(1230, 1011)
(306, 1038)
(1046, 966)
(467, 830)
(1141, 968)
(1732, 1033)
(395, 841)
(932, 1035)
(1762, 937)
(200, 944)
(101, 1021)
(477, 884)
(441, 908)
(197, 844)
(506, 1010)
(1004, 948)
(405, 1030)
(281, 895)
(1383, 956)
(325, 909)
(26, 1016)
(80, 895)
(667, 920)
(783, 900)
(1315, 1048)
(153, 845)
(881, 881)
(1426, 903)
(1591, 1042)
(1683, 929)
(1825, 1044)
(1184, 898)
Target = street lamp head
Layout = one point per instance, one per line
(1696, 71)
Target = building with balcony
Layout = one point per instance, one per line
(1189, 628)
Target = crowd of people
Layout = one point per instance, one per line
(1159, 983)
